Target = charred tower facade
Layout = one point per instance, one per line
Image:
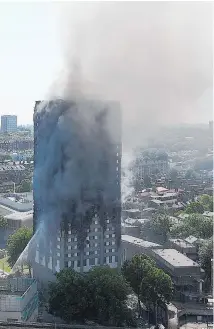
(77, 185)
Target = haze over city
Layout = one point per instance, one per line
(106, 164)
(159, 66)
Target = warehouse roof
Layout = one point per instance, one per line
(181, 243)
(139, 242)
(175, 258)
(17, 215)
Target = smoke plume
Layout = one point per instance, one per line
(76, 160)
(153, 57)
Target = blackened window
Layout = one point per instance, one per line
(91, 261)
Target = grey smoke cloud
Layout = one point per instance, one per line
(153, 57)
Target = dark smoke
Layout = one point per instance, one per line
(75, 165)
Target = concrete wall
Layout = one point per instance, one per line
(10, 316)
(129, 250)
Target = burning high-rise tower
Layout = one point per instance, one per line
(77, 185)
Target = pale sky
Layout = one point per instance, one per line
(29, 55)
(132, 51)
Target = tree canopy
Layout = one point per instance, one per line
(3, 222)
(196, 225)
(205, 256)
(161, 224)
(99, 295)
(195, 207)
(17, 242)
(207, 202)
(150, 284)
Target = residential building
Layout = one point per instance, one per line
(134, 246)
(19, 299)
(18, 219)
(185, 273)
(20, 202)
(8, 123)
(7, 187)
(184, 247)
(16, 144)
(101, 244)
(131, 213)
(15, 173)
(132, 230)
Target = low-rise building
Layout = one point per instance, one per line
(18, 299)
(131, 213)
(134, 246)
(15, 173)
(21, 202)
(18, 219)
(184, 247)
(185, 273)
(130, 230)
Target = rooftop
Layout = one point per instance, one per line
(161, 189)
(11, 167)
(23, 202)
(192, 239)
(132, 210)
(4, 211)
(139, 242)
(17, 215)
(181, 243)
(175, 258)
(208, 214)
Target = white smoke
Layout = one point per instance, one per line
(127, 177)
(154, 57)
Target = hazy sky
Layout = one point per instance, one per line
(29, 55)
(156, 58)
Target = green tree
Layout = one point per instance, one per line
(16, 243)
(135, 270)
(205, 256)
(3, 222)
(99, 295)
(195, 208)
(196, 225)
(207, 202)
(108, 293)
(150, 284)
(156, 288)
(162, 224)
(68, 296)
(26, 186)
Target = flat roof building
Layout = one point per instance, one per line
(186, 274)
(134, 246)
(184, 247)
(19, 299)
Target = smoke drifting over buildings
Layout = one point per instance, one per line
(156, 60)
(154, 57)
(76, 155)
(76, 175)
